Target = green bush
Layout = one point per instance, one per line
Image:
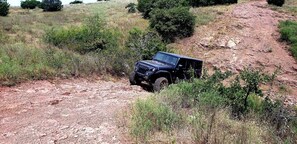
(51, 5)
(240, 101)
(149, 116)
(276, 2)
(146, 6)
(91, 37)
(197, 3)
(168, 4)
(76, 2)
(131, 7)
(288, 30)
(144, 44)
(29, 4)
(4, 8)
(173, 23)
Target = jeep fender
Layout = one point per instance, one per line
(162, 73)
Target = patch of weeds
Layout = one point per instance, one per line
(149, 116)
(288, 30)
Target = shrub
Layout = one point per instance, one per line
(201, 103)
(131, 7)
(146, 6)
(76, 2)
(4, 8)
(197, 3)
(168, 4)
(51, 5)
(29, 4)
(173, 23)
(91, 37)
(276, 2)
(288, 30)
(144, 44)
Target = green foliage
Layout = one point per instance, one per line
(209, 96)
(19, 62)
(168, 4)
(29, 4)
(93, 36)
(131, 7)
(173, 23)
(51, 5)
(197, 3)
(144, 44)
(149, 116)
(276, 2)
(146, 6)
(4, 8)
(288, 30)
(76, 2)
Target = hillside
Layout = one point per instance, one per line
(246, 35)
(53, 94)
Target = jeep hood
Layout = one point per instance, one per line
(156, 64)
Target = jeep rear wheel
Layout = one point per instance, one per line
(133, 79)
(160, 84)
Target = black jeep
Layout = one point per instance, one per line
(164, 69)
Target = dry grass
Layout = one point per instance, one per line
(28, 26)
(205, 15)
(290, 7)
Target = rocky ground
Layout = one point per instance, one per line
(246, 36)
(65, 111)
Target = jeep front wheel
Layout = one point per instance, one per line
(160, 84)
(133, 80)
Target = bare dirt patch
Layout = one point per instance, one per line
(246, 36)
(65, 111)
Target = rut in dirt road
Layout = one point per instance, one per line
(245, 36)
(67, 111)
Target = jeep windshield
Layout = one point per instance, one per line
(165, 58)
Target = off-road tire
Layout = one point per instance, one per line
(160, 84)
(132, 79)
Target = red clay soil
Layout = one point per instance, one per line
(67, 111)
(246, 36)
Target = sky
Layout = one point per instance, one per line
(18, 2)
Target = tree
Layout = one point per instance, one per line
(29, 4)
(51, 5)
(4, 8)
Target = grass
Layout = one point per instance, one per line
(203, 112)
(290, 7)
(151, 116)
(288, 30)
(24, 31)
(205, 15)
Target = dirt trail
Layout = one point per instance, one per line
(67, 111)
(247, 35)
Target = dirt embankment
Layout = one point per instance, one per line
(68, 111)
(246, 36)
